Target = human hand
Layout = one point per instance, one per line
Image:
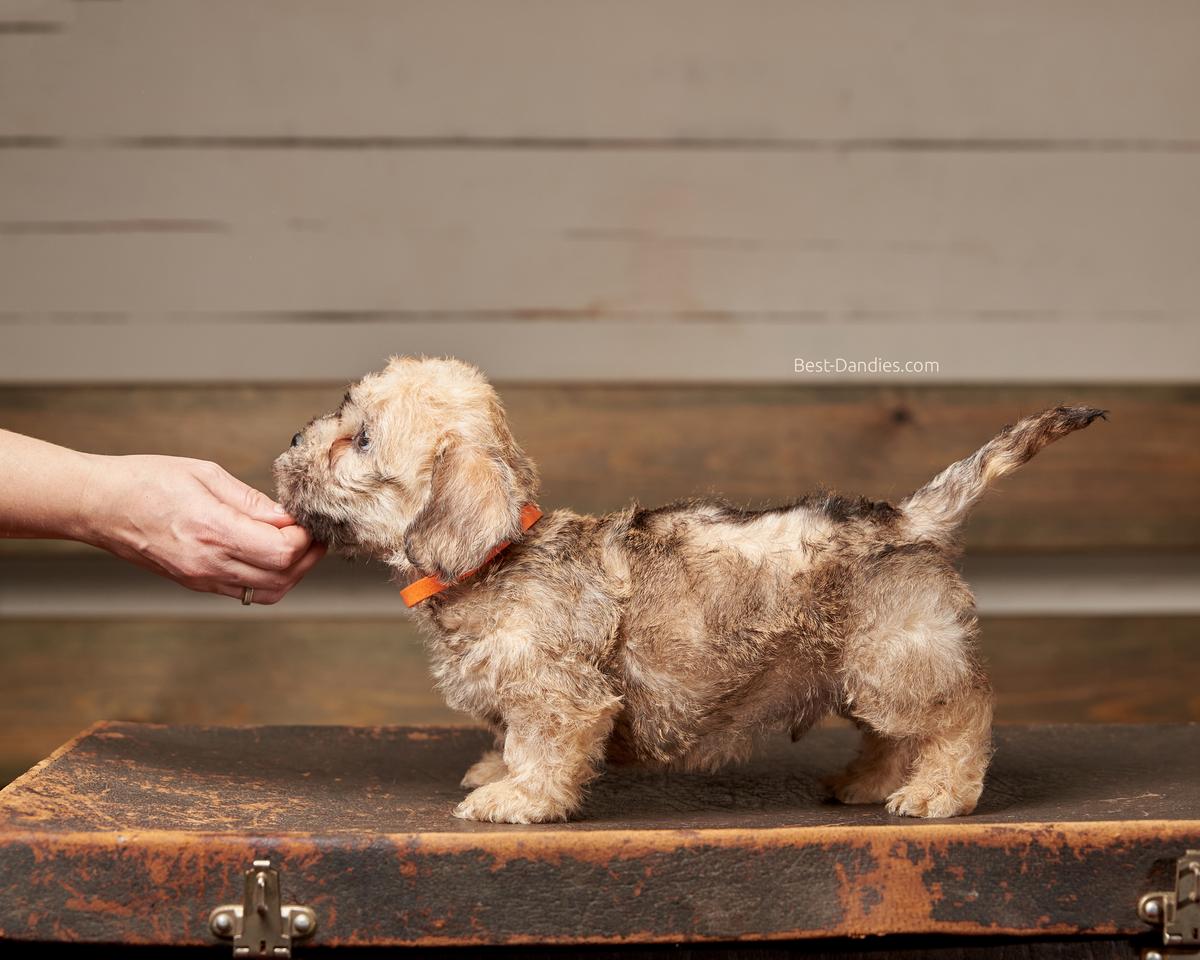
(194, 523)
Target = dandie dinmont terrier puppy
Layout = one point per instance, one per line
(668, 636)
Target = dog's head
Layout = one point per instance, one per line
(417, 467)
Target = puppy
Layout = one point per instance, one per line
(670, 636)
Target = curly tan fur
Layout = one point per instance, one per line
(673, 636)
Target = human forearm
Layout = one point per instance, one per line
(43, 488)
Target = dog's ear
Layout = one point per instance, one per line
(476, 493)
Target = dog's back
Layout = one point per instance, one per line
(732, 621)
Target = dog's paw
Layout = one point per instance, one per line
(924, 800)
(858, 788)
(504, 802)
(490, 768)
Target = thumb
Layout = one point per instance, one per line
(245, 499)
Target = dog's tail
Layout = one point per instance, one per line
(937, 510)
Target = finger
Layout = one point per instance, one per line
(272, 587)
(264, 582)
(294, 575)
(244, 498)
(234, 573)
(235, 592)
(264, 546)
(284, 580)
(311, 558)
(230, 590)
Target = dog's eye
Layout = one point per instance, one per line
(296, 438)
(361, 439)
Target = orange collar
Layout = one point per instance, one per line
(426, 587)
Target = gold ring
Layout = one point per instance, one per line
(247, 596)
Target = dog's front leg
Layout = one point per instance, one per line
(551, 748)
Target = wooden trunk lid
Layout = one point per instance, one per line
(133, 833)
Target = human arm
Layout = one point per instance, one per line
(188, 520)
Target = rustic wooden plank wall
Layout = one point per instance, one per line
(220, 210)
(59, 677)
(1128, 483)
(1129, 489)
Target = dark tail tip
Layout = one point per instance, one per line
(1077, 417)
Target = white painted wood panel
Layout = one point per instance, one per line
(32, 17)
(904, 238)
(294, 188)
(807, 70)
(248, 350)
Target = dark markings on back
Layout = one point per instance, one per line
(718, 510)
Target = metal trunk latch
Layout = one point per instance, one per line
(1177, 912)
(262, 925)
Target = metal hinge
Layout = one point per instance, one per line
(262, 925)
(1177, 912)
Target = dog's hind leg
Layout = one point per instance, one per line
(924, 759)
(881, 768)
(909, 675)
(946, 778)
(487, 769)
(491, 766)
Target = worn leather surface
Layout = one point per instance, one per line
(397, 780)
(134, 833)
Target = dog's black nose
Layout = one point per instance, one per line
(296, 440)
